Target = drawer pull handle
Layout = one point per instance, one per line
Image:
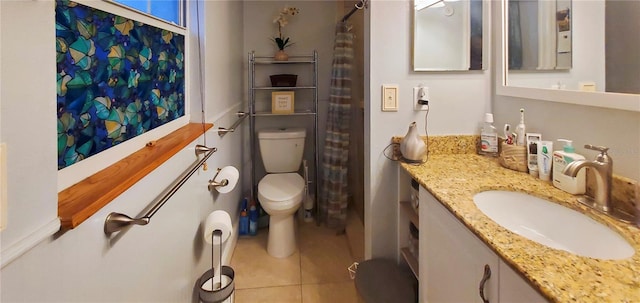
(485, 277)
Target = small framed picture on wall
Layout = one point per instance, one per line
(282, 102)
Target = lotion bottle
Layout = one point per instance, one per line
(561, 158)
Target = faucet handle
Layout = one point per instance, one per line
(603, 157)
(602, 149)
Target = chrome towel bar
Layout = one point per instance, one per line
(117, 221)
(223, 131)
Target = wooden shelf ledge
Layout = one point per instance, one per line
(83, 199)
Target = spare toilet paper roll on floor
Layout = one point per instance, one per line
(218, 219)
(232, 175)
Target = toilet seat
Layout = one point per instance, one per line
(281, 190)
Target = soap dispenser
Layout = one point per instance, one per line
(561, 158)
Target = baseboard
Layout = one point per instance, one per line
(17, 249)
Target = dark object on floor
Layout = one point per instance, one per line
(283, 80)
(383, 281)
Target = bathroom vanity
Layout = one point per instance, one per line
(459, 241)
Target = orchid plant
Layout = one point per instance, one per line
(281, 19)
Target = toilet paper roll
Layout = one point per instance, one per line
(232, 175)
(218, 219)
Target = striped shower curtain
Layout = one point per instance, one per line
(515, 36)
(334, 194)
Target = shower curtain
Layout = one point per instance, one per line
(332, 206)
(515, 36)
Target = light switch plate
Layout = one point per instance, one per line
(390, 98)
(3, 186)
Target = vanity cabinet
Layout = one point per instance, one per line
(407, 215)
(453, 265)
(453, 261)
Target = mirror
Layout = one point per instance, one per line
(508, 83)
(589, 26)
(448, 35)
(539, 34)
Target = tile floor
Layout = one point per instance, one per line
(315, 273)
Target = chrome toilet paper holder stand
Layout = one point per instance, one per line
(218, 292)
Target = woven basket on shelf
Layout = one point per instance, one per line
(514, 157)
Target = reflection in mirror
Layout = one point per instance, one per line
(447, 35)
(539, 34)
(603, 45)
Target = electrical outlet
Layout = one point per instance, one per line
(420, 93)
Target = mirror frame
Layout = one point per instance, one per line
(629, 102)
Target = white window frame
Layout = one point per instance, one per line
(181, 14)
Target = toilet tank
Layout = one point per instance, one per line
(281, 148)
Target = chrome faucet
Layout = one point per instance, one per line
(603, 166)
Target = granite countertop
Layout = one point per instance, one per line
(559, 275)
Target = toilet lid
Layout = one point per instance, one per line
(281, 187)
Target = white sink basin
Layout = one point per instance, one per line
(552, 225)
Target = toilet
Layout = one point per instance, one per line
(281, 191)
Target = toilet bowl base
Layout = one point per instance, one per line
(281, 242)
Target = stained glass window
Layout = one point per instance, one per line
(117, 79)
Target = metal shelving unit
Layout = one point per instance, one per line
(260, 62)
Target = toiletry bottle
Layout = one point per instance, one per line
(533, 139)
(488, 137)
(244, 219)
(545, 150)
(253, 219)
(244, 223)
(520, 130)
(561, 158)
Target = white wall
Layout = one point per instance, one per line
(617, 129)
(29, 94)
(458, 101)
(159, 262)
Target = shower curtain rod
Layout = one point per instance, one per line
(358, 6)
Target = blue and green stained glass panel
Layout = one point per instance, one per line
(116, 79)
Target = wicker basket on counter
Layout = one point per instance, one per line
(513, 157)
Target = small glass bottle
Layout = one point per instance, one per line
(488, 137)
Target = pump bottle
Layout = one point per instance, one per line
(562, 158)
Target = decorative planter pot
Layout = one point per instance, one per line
(281, 56)
(412, 147)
